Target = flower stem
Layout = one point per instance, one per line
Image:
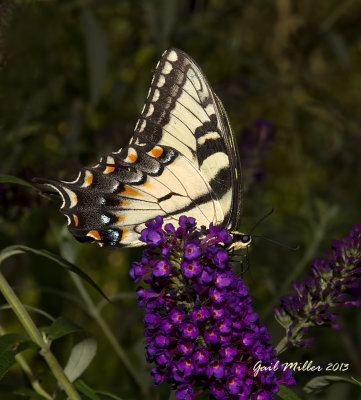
(37, 338)
(281, 346)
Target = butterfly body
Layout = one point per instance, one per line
(181, 160)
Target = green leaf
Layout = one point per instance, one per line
(321, 382)
(85, 389)
(355, 381)
(9, 252)
(109, 395)
(286, 393)
(29, 393)
(4, 178)
(80, 358)
(96, 52)
(7, 360)
(10, 345)
(18, 249)
(14, 342)
(30, 308)
(61, 327)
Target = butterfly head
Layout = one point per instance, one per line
(241, 241)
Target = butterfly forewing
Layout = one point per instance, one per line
(182, 111)
(181, 160)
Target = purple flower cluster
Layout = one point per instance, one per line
(201, 331)
(334, 279)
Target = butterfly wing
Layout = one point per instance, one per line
(181, 160)
(182, 111)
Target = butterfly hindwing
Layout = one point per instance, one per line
(181, 160)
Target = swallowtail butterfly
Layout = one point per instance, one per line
(182, 159)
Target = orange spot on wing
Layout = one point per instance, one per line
(76, 220)
(156, 151)
(124, 202)
(132, 158)
(89, 180)
(94, 234)
(124, 235)
(120, 217)
(109, 169)
(129, 191)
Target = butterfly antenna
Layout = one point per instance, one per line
(278, 243)
(262, 219)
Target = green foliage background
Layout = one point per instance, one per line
(74, 76)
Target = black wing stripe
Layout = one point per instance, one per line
(156, 115)
(155, 136)
(182, 89)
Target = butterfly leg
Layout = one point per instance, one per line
(240, 260)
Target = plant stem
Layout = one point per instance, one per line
(28, 372)
(95, 313)
(281, 346)
(37, 338)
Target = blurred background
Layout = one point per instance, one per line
(73, 78)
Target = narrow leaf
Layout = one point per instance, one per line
(286, 393)
(17, 249)
(14, 342)
(4, 178)
(7, 360)
(61, 327)
(9, 252)
(355, 381)
(86, 390)
(29, 393)
(109, 395)
(30, 308)
(10, 345)
(321, 382)
(80, 358)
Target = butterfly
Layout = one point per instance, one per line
(181, 160)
